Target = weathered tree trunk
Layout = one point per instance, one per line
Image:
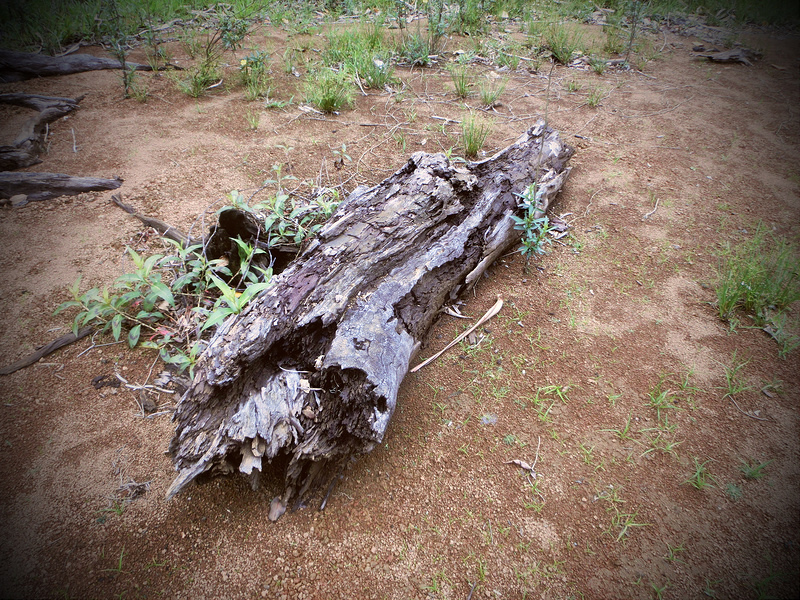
(311, 369)
(18, 66)
(43, 186)
(25, 149)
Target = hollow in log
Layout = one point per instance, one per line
(309, 372)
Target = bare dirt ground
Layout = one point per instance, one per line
(623, 306)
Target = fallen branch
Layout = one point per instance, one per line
(64, 340)
(18, 66)
(24, 150)
(164, 229)
(44, 186)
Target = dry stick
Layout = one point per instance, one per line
(64, 340)
(652, 212)
(489, 314)
(745, 413)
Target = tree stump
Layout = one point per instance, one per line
(310, 370)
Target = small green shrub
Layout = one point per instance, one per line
(253, 72)
(329, 90)
(171, 300)
(533, 223)
(416, 50)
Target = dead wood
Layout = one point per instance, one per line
(31, 187)
(164, 229)
(25, 149)
(57, 344)
(740, 55)
(311, 369)
(18, 66)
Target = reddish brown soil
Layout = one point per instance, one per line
(625, 303)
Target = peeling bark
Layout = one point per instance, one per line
(310, 371)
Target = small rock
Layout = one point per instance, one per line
(19, 200)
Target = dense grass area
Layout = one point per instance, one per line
(50, 25)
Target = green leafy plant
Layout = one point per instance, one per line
(598, 64)
(232, 27)
(416, 50)
(171, 300)
(534, 224)
(253, 71)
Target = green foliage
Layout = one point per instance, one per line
(491, 91)
(753, 470)
(329, 90)
(474, 131)
(760, 276)
(533, 223)
(416, 50)
(231, 26)
(363, 52)
(470, 18)
(700, 479)
(462, 82)
(562, 42)
(170, 301)
(253, 71)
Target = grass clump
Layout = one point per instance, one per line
(462, 82)
(363, 52)
(474, 131)
(701, 478)
(330, 90)
(562, 42)
(760, 277)
(491, 91)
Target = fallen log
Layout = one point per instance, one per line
(310, 371)
(24, 150)
(18, 66)
(29, 187)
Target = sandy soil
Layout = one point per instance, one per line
(624, 304)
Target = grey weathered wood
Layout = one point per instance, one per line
(43, 186)
(25, 149)
(18, 66)
(311, 369)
